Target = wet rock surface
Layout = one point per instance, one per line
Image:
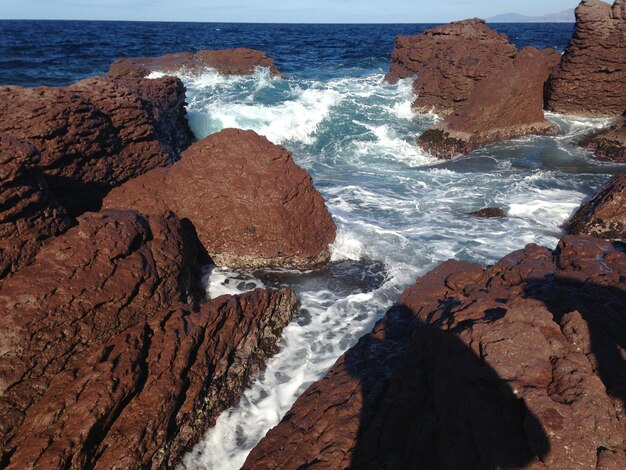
(29, 213)
(143, 397)
(506, 104)
(488, 212)
(603, 215)
(97, 133)
(610, 144)
(590, 78)
(239, 61)
(250, 203)
(516, 365)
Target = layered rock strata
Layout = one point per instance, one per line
(609, 144)
(250, 203)
(520, 365)
(240, 61)
(591, 76)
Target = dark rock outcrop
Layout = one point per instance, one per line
(604, 215)
(240, 61)
(591, 76)
(448, 61)
(28, 212)
(520, 365)
(110, 272)
(506, 104)
(488, 212)
(97, 133)
(143, 397)
(609, 144)
(250, 203)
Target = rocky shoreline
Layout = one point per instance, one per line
(111, 354)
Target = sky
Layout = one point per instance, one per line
(274, 11)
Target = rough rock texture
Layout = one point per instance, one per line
(610, 144)
(520, 365)
(250, 203)
(604, 215)
(488, 212)
(97, 133)
(143, 397)
(113, 270)
(448, 62)
(590, 79)
(504, 105)
(28, 212)
(240, 61)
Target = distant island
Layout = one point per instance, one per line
(565, 16)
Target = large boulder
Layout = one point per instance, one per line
(110, 272)
(250, 203)
(97, 133)
(506, 104)
(448, 61)
(604, 215)
(590, 79)
(240, 61)
(143, 397)
(28, 212)
(520, 365)
(609, 144)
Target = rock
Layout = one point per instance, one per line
(144, 396)
(488, 212)
(448, 61)
(240, 61)
(604, 215)
(113, 270)
(97, 133)
(28, 212)
(609, 144)
(519, 365)
(250, 203)
(506, 104)
(590, 79)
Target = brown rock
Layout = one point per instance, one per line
(609, 144)
(489, 212)
(590, 79)
(604, 215)
(250, 203)
(28, 212)
(240, 61)
(112, 271)
(146, 395)
(506, 104)
(97, 133)
(520, 365)
(448, 62)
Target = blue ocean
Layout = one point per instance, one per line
(399, 212)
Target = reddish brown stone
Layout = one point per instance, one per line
(609, 144)
(143, 397)
(520, 365)
(448, 62)
(250, 203)
(488, 212)
(28, 212)
(506, 104)
(590, 79)
(604, 215)
(97, 133)
(240, 61)
(112, 271)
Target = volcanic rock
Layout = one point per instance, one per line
(610, 144)
(488, 212)
(97, 133)
(591, 76)
(110, 272)
(505, 105)
(448, 61)
(143, 397)
(520, 365)
(240, 61)
(250, 203)
(28, 212)
(604, 215)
